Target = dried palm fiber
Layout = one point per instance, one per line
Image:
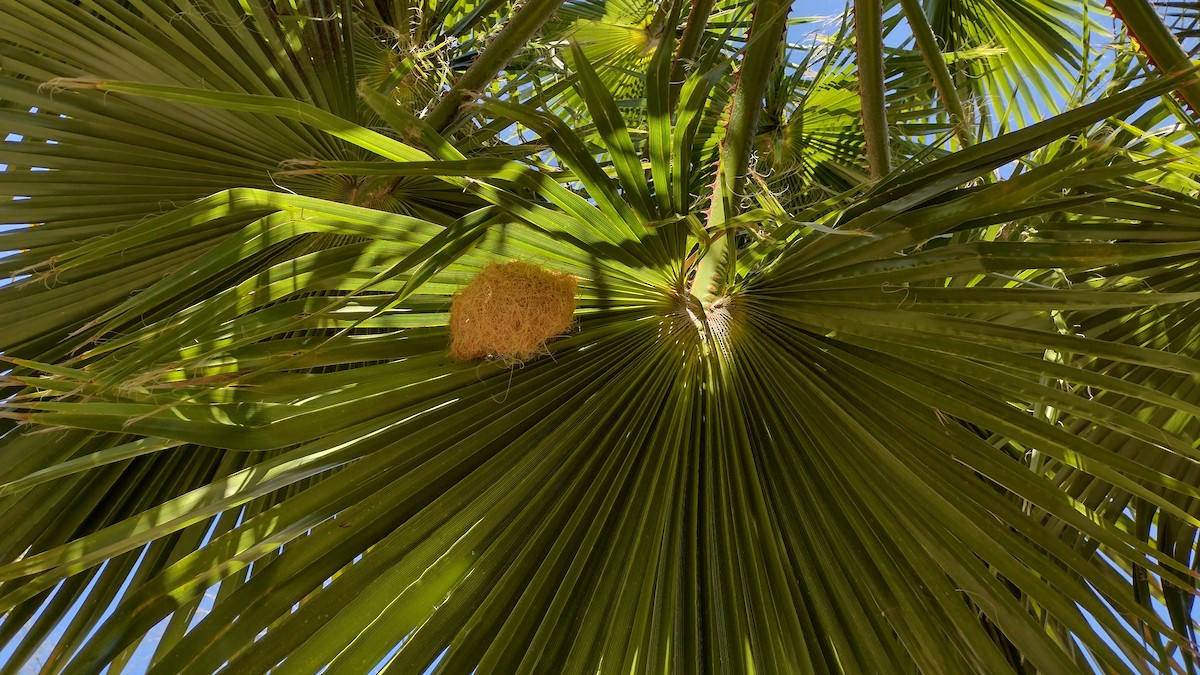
(509, 311)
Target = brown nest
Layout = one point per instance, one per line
(509, 311)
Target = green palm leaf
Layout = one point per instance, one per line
(935, 424)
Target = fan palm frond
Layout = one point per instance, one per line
(942, 422)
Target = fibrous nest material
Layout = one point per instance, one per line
(509, 311)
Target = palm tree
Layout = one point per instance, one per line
(816, 413)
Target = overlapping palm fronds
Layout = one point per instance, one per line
(941, 422)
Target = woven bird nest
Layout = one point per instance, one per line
(509, 311)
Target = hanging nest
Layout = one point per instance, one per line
(509, 311)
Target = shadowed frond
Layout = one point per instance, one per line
(942, 422)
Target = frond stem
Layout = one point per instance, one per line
(764, 42)
(868, 44)
(1158, 44)
(515, 34)
(931, 53)
(689, 43)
